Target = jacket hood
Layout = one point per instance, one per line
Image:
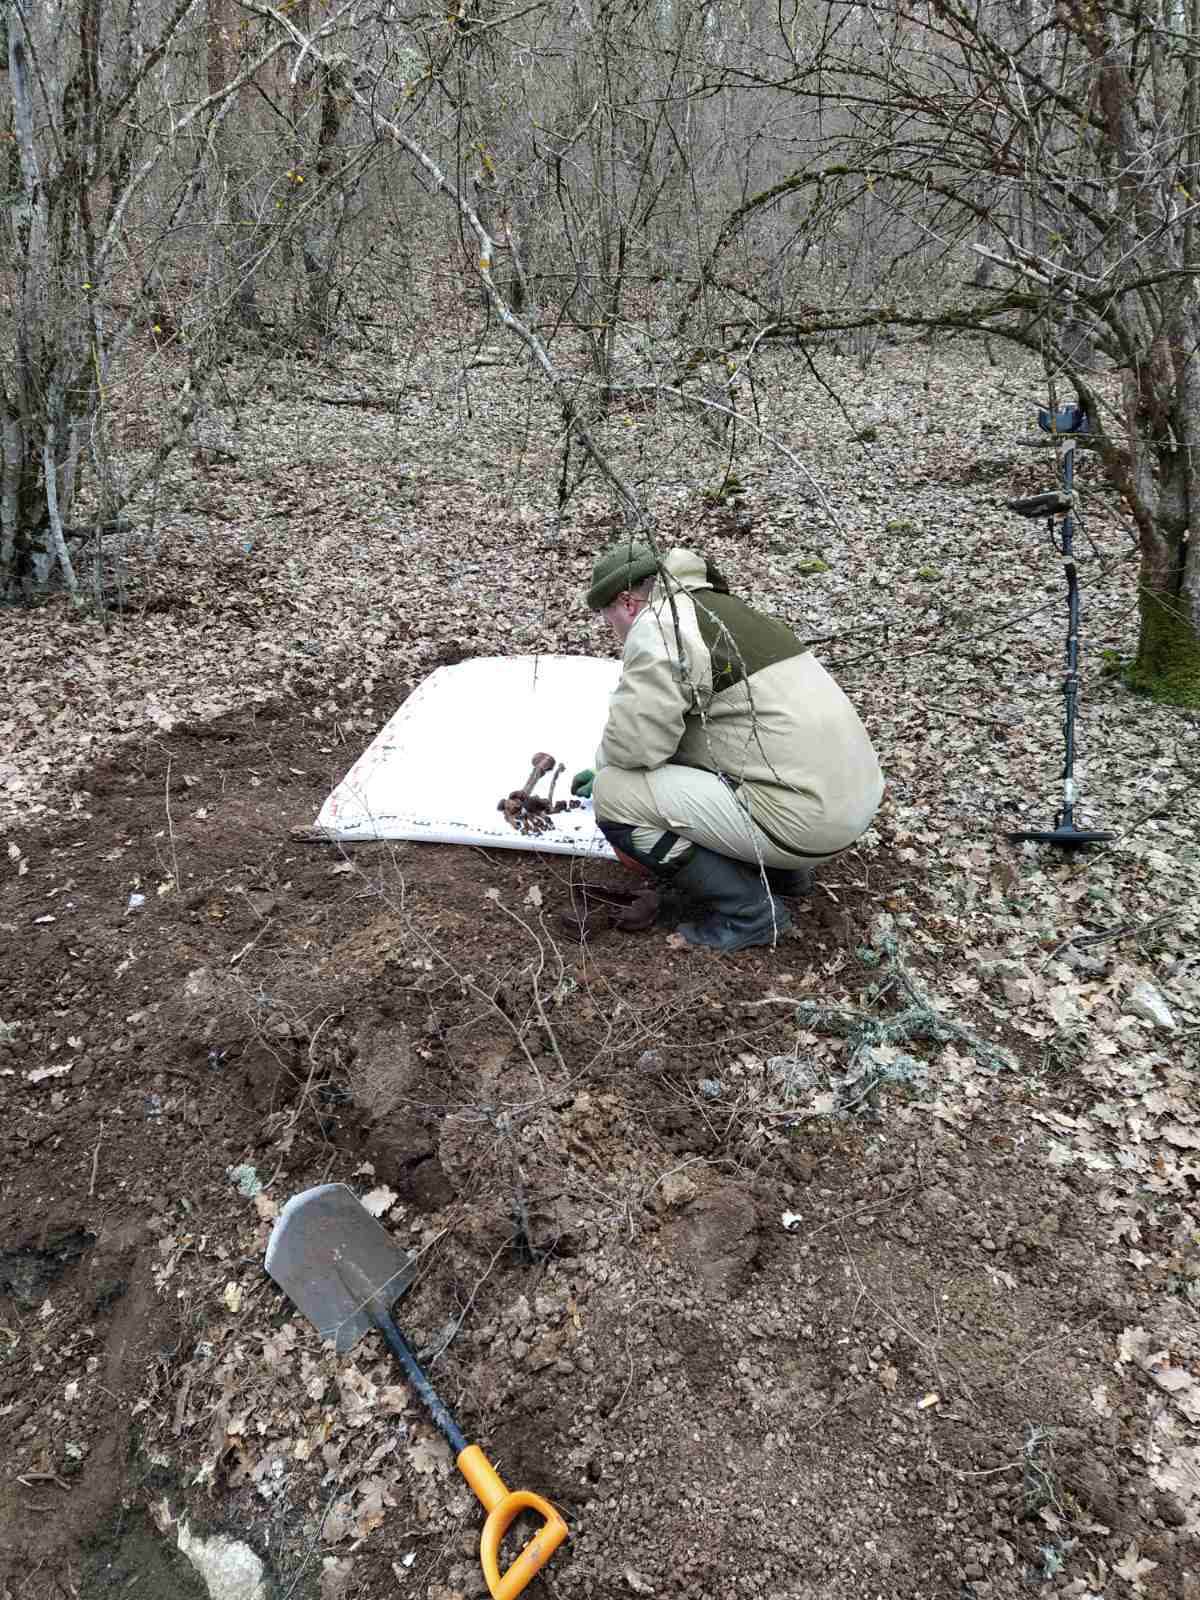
(685, 569)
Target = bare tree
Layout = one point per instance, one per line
(1060, 147)
(96, 114)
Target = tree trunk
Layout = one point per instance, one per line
(1167, 666)
(241, 232)
(324, 199)
(48, 362)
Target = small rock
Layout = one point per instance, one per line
(1094, 1489)
(1158, 1547)
(199, 985)
(1169, 1509)
(1090, 966)
(1146, 1002)
(939, 1202)
(246, 1178)
(676, 1190)
(520, 1311)
(716, 1239)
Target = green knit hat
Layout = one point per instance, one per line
(618, 569)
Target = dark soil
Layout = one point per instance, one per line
(894, 1396)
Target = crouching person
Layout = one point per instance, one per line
(731, 762)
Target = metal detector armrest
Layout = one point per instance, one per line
(1051, 504)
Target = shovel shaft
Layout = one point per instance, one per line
(436, 1407)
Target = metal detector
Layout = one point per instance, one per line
(1067, 426)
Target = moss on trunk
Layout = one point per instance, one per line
(1167, 667)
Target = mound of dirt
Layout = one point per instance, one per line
(748, 1339)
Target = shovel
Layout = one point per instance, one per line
(344, 1271)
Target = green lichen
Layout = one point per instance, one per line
(1167, 668)
(730, 489)
(811, 567)
(929, 574)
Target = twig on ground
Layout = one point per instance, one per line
(370, 402)
(1082, 941)
(1031, 1355)
(612, 1415)
(971, 716)
(430, 1357)
(979, 1472)
(337, 1489)
(95, 1164)
(1161, 808)
(171, 829)
(505, 1128)
(929, 1347)
(246, 948)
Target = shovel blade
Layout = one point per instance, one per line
(324, 1248)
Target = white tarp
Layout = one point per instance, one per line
(463, 740)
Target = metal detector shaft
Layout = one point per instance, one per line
(1066, 426)
(1071, 681)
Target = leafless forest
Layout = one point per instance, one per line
(337, 339)
(646, 197)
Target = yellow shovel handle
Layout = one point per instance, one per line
(503, 1506)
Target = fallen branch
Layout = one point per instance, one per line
(1082, 941)
(971, 716)
(371, 402)
(1161, 807)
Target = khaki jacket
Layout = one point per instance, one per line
(708, 682)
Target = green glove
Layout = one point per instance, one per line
(581, 783)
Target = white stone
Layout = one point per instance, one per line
(230, 1569)
(1146, 1002)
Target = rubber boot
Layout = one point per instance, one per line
(794, 881)
(653, 906)
(737, 910)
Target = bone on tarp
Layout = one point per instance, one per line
(528, 812)
(542, 764)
